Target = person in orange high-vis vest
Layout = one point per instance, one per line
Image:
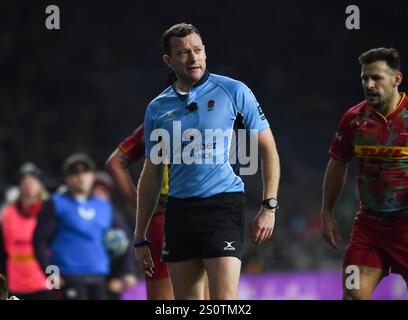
(18, 221)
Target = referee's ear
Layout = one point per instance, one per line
(167, 61)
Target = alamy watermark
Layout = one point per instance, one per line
(53, 20)
(53, 281)
(353, 20)
(352, 281)
(190, 147)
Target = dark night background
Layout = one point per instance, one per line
(86, 86)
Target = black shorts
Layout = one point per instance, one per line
(204, 227)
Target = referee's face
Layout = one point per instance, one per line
(187, 59)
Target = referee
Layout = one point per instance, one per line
(205, 209)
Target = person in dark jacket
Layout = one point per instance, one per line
(123, 263)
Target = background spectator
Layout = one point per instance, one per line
(19, 219)
(122, 263)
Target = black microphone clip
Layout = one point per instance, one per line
(192, 106)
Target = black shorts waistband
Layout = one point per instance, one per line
(224, 195)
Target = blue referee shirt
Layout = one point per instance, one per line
(198, 158)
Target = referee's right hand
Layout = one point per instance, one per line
(144, 259)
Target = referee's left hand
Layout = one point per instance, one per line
(263, 225)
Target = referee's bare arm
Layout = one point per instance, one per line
(148, 193)
(270, 164)
(265, 220)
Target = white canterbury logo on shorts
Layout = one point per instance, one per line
(229, 245)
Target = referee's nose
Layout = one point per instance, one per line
(193, 57)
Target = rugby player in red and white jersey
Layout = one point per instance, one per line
(130, 151)
(375, 132)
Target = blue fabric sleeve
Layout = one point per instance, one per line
(248, 106)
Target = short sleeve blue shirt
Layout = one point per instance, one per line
(193, 123)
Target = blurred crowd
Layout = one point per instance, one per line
(73, 240)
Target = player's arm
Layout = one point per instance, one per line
(118, 167)
(265, 220)
(334, 180)
(148, 192)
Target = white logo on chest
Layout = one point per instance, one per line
(87, 214)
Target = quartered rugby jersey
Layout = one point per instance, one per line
(190, 120)
(380, 145)
(134, 147)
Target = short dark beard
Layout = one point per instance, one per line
(383, 104)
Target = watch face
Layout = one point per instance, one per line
(273, 203)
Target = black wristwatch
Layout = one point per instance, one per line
(270, 204)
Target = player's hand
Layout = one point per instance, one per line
(330, 230)
(129, 280)
(115, 285)
(144, 260)
(263, 225)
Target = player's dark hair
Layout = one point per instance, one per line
(389, 55)
(3, 288)
(179, 30)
